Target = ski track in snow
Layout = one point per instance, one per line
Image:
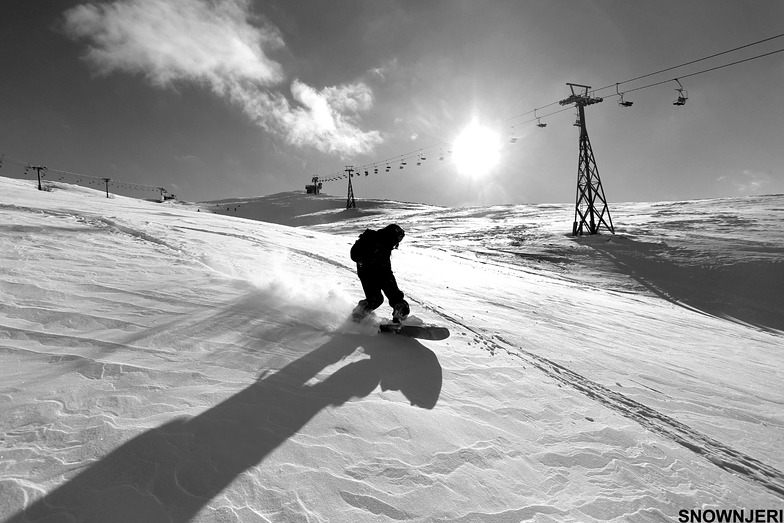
(716, 452)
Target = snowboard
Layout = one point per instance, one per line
(421, 331)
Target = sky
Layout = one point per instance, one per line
(244, 98)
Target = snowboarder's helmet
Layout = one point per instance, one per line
(396, 231)
(393, 233)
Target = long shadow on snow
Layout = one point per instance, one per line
(171, 472)
(746, 291)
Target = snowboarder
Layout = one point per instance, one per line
(372, 252)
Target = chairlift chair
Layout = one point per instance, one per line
(539, 121)
(682, 97)
(683, 94)
(622, 102)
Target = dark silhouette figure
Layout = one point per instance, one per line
(372, 253)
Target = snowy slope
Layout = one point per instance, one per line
(163, 364)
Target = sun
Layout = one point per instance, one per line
(476, 150)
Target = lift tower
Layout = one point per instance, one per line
(38, 169)
(588, 215)
(350, 202)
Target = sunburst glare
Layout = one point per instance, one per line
(476, 150)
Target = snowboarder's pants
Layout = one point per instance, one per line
(374, 283)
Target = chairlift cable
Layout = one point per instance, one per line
(681, 77)
(79, 176)
(531, 111)
(665, 70)
(694, 61)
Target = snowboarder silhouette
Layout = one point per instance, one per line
(372, 252)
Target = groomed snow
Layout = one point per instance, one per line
(161, 362)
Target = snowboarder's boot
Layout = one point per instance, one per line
(400, 312)
(361, 311)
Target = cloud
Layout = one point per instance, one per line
(382, 70)
(748, 182)
(170, 40)
(329, 115)
(323, 119)
(221, 45)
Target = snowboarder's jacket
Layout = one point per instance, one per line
(373, 249)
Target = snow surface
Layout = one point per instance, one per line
(160, 362)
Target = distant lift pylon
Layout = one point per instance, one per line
(351, 203)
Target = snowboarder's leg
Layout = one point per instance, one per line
(400, 308)
(373, 297)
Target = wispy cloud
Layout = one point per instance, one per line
(382, 71)
(174, 40)
(329, 115)
(225, 47)
(748, 182)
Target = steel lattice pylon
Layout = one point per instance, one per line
(350, 202)
(590, 194)
(591, 209)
